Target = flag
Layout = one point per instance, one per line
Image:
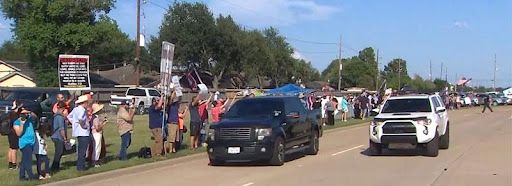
(191, 81)
(311, 100)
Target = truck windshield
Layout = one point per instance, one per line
(255, 108)
(406, 105)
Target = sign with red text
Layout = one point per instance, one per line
(74, 72)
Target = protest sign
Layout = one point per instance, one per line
(74, 72)
(177, 86)
(203, 91)
(166, 67)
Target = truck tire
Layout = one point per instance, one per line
(278, 155)
(444, 140)
(313, 144)
(375, 148)
(495, 103)
(140, 110)
(432, 148)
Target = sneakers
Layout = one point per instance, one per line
(12, 166)
(41, 177)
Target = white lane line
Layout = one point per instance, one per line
(247, 184)
(341, 152)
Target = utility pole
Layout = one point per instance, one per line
(456, 82)
(441, 76)
(399, 73)
(430, 71)
(341, 67)
(446, 74)
(137, 47)
(494, 78)
(377, 78)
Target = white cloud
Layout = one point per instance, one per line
(297, 55)
(274, 12)
(460, 24)
(2, 26)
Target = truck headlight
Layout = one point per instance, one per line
(211, 134)
(425, 122)
(261, 133)
(376, 123)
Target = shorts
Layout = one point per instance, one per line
(344, 110)
(173, 130)
(13, 140)
(195, 128)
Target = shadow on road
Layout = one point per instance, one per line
(397, 152)
(289, 157)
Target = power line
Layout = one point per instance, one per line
(157, 5)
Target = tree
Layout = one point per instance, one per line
(256, 59)
(11, 50)
(46, 29)
(280, 57)
(392, 75)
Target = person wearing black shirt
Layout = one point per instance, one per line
(363, 105)
(487, 103)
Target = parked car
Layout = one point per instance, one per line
(496, 100)
(264, 129)
(411, 121)
(481, 98)
(141, 97)
(465, 101)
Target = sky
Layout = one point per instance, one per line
(463, 36)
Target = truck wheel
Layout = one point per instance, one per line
(278, 154)
(444, 140)
(313, 144)
(433, 146)
(375, 148)
(140, 110)
(495, 104)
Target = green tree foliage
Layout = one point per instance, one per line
(395, 72)
(11, 50)
(46, 29)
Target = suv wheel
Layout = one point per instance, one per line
(432, 148)
(313, 144)
(444, 140)
(375, 148)
(278, 154)
(215, 162)
(495, 103)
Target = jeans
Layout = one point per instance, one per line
(40, 160)
(126, 140)
(177, 147)
(83, 144)
(59, 150)
(26, 163)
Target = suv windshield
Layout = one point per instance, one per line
(255, 108)
(154, 93)
(406, 105)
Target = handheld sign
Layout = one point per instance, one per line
(74, 72)
(166, 67)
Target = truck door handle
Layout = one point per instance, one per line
(284, 124)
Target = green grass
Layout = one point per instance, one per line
(140, 138)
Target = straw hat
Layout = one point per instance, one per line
(96, 108)
(81, 99)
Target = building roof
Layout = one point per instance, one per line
(13, 74)
(125, 75)
(19, 66)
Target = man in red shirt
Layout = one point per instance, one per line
(60, 97)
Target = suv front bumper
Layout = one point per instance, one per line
(422, 134)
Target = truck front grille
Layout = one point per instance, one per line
(235, 133)
(398, 128)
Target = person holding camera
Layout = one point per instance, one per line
(125, 126)
(59, 136)
(24, 129)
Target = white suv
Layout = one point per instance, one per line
(411, 121)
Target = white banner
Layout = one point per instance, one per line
(74, 72)
(166, 67)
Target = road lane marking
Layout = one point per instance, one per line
(341, 152)
(247, 184)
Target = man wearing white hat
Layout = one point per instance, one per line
(80, 129)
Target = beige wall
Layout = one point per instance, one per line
(17, 81)
(4, 70)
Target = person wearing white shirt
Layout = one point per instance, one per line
(80, 129)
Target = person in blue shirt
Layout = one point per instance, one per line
(155, 125)
(24, 129)
(344, 108)
(60, 136)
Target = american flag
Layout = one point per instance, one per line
(191, 81)
(310, 101)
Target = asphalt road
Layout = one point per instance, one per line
(480, 153)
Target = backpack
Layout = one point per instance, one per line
(145, 152)
(5, 124)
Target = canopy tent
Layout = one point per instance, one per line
(289, 89)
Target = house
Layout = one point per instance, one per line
(16, 74)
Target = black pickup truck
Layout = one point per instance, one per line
(264, 129)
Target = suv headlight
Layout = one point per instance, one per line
(261, 133)
(211, 134)
(425, 122)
